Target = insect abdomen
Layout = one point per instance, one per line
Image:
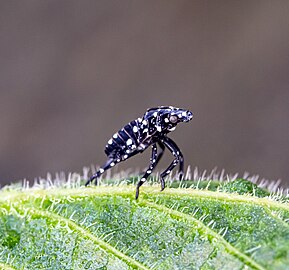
(123, 142)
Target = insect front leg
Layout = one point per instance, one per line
(177, 153)
(110, 163)
(181, 167)
(172, 146)
(153, 162)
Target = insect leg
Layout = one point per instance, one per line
(153, 162)
(180, 157)
(162, 146)
(110, 163)
(172, 146)
(155, 158)
(181, 168)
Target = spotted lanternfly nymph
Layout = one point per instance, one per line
(138, 135)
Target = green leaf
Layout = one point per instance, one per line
(198, 225)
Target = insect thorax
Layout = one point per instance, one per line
(139, 134)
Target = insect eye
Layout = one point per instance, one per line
(173, 119)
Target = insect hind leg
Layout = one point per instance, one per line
(110, 163)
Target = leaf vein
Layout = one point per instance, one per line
(104, 245)
(231, 249)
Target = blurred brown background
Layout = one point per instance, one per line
(74, 72)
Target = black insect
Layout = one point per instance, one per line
(139, 134)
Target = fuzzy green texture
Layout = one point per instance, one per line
(209, 225)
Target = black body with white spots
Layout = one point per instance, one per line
(138, 135)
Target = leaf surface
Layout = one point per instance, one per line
(232, 226)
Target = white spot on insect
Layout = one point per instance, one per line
(172, 129)
(149, 171)
(168, 171)
(127, 151)
(139, 119)
(184, 113)
(125, 156)
(129, 142)
(143, 179)
(167, 120)
(155, 114)
(112, 164)
(118, 160)
(110, 141)
(101, 170)
(114, 135)
(145, 130)
(180, 115)
(145, 122)
(141, 146)
(133, 147)
(135, 129)
(159, 128)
